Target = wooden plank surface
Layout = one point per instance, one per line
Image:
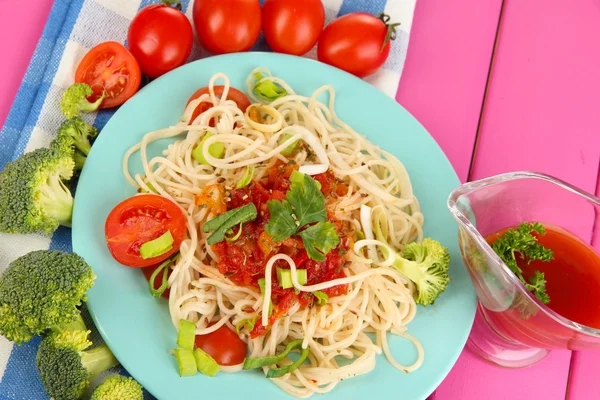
(540, 114)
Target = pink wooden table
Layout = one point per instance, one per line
(502, 86)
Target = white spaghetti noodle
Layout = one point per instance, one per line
(378, 300)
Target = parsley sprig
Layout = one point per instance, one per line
(520, 242)
(303, 213)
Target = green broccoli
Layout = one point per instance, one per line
(425, 263)
(73, 138)
(42, 290)
(66, 368)
(33, 195)
(118, 387)
(75, 101)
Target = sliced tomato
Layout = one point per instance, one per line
(148, 271)
(240, 99)
(224, 345)
(110, 68)
(141, 219)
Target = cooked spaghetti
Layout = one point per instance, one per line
(216, 285)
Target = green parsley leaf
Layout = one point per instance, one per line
(521, 243)
(319, 239)
(281, 224)
(306, 200)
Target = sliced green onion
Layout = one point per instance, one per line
(278, 372)
(222, 223)
(248, 323)
(158, 246)
(246, 178)
(365, 152)
(150, 187)
(186, 362)
(237, 235)
(258, 76)
(322, 298)
(259, 362)
(359, 235)
(217, 150)
(186, 334)
(284, 277)
(205, 363)
(164, 268)
(268, 90)
(290, 149)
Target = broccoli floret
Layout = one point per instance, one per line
(33, 195)
(66, 368)
(42, 290)
(118, 387)
(75, 101)
(73, 138)
(426, 264)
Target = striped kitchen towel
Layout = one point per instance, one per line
(74, 27)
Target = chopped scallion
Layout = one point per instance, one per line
(269, 91)
(279, 372)
(259, 362)
(246, 178)
(186, 334)
(217, 150)
(158, 246)
(164, 268)
(284, 277)
(205, 363)
(186, 362)
(322, 298)
(290, 149)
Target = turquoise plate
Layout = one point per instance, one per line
(138, 328)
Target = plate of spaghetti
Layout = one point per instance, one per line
(266, 226)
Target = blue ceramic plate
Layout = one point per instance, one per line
(138, 328)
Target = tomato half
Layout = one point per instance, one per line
(355, 43)
(110, 68)
(292, 26)
(160, 38)
(227, 26)
(224, 345)
(138, 220)
(240, 99)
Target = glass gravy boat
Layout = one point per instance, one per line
(512, 328)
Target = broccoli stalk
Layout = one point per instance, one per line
(424, 263)
(118, 387)
(33, 195)
(66, 368)
(75, 101)
(42, 290)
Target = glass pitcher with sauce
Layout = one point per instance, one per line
(512, 327)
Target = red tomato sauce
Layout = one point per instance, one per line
(573, 276)
(243, 261)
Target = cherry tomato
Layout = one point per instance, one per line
(224, 345)
(355, 43)
(293, 26)
(110, 68)
(138, 220)
(240, 99)
(227, 26)
(148, 271)
(160, 37)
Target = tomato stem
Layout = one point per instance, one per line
(391, 29)
(172, 3)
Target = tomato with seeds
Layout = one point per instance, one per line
(141, 219)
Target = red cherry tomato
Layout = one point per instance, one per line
(240, 99)
(160, 37)
(138, 220)
(355, 43)
(293, 26)
(227, 26)
(224, 345)
(110, 68)
(148, 271)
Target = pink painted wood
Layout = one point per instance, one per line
(25, 23)
(446, 70)
(540, 115)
